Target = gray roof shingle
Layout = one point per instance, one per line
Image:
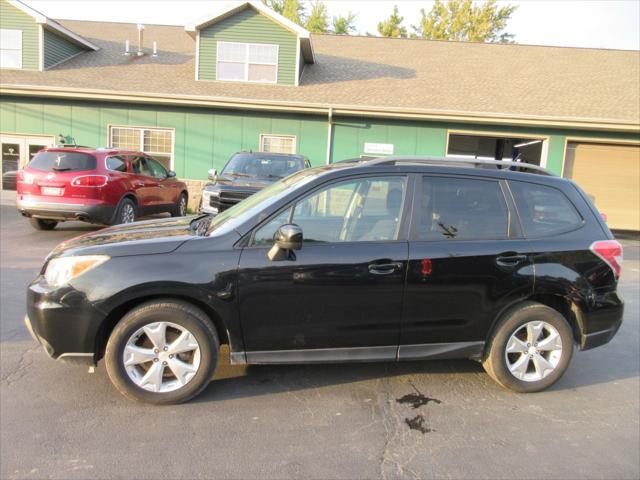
(359, 72)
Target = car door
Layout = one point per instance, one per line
(340, 296)
(167, 193)
(145, 185)
(467, 262)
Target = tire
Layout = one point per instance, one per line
(163, 388)
(530, 331)
(180, 209)
(43, 223)
(126, 212)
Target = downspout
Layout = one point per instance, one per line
(329, 131)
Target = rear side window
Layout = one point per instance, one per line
(544, 210)
(63, 162)
(462, 209)
(117, 164)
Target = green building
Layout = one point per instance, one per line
(248, 79)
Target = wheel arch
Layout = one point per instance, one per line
(561, 303)
(116, 314)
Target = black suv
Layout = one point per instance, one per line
(388, 259)
(244, 174)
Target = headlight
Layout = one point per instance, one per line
(61, 270)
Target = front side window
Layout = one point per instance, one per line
(10, 48)
(247, 62)
(156, 142)
(462, 209)
(544, 210)
(278, 143)
(157, 170)
(365, 209)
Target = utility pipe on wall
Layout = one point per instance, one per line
(329, 131)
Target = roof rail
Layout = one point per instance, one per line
(458, 162)
(70, 145)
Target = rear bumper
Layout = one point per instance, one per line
(600, 321)
(596, 339)
(61, 211)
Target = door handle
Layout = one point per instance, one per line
(384, 268)
(510, 259)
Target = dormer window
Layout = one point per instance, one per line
(247, 62)
(10, 48)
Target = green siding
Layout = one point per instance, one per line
(205, 138)
(248, 26)
(13, 19)
(57, 49)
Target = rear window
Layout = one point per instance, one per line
(63, 162)
(462, 209)
(544, 210)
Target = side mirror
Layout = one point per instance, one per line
(287, 238)
(171, 173)
(212, 174)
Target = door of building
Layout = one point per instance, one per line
(17, 150)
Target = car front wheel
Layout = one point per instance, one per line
(162, 352)
(530, 349)
(180, 209)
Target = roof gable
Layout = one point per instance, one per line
(53, 25)
(304, 37)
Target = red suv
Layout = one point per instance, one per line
(106, 186)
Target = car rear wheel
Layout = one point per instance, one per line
(180, 210)
(126, 212)
(162, 352)
(530, 349)
(43, 223)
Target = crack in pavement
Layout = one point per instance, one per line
(21, 368)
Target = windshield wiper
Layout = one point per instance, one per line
(61, 169)
(239, 174)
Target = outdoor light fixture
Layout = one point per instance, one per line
(526, 144)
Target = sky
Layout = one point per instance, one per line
(570, 23)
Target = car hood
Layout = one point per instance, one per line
(245, 182)
(139, 238)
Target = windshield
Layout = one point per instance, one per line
(257, 202)
(262, 165)
(63, 162)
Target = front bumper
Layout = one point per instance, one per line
(63, 321)
(37, 207)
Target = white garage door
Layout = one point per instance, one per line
(610, 175)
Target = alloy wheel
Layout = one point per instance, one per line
(533, 351)
(183, 206)
(128, 214)
(161, 357)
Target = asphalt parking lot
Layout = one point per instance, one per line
(320, 421)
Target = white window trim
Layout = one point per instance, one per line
(21, 49)
(278, 135)
(142, 130)
(246, 62)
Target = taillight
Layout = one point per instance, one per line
(24, 177)
(89, 181)
(611, 252)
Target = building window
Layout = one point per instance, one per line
(10, 48)
(247, 62)
(156, 142)
(491, 147)
(278, 143)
